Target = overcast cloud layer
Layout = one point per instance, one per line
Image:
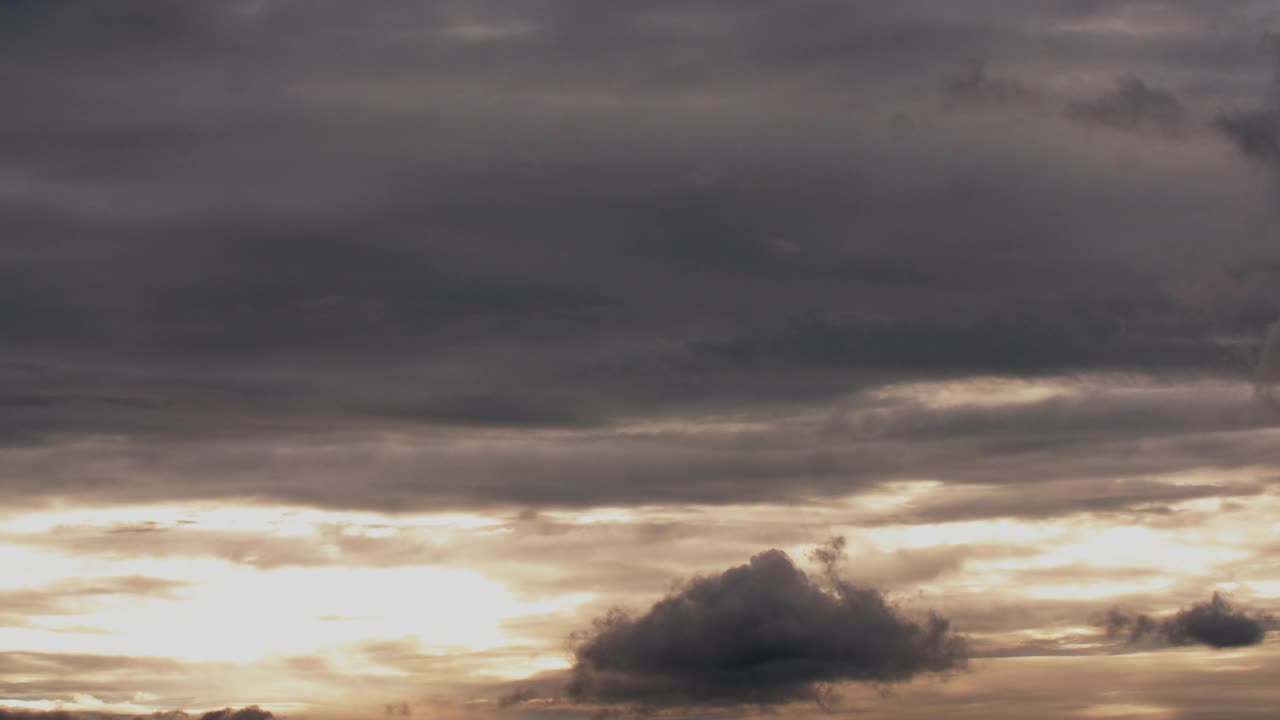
(253, 220)
(394, 340)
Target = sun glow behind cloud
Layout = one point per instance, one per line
(285, 592)
(224, 611)
(237, 614)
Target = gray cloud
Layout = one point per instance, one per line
(1214, 622)
(1075, 445)
(973, 87)
(517, 696)
(545, 222)
(761, 633)
(1132, 105)
(252, 712)
(414, 251)
(1255, 131)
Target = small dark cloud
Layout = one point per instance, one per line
(1132, 105)
(763, 633)
(1255, 132)
(830, 555)
(1215, 623)
(517, 696)
(251, 712)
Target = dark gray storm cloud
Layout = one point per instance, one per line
(761, 633)
(1214, 622)
(229, 227)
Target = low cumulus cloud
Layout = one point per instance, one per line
(763, 633)
(252, 712)
(1214, 622)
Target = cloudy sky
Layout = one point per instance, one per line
(569, 359)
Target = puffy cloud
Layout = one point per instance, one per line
(1213, 622)
(760, 633)
(252, 712)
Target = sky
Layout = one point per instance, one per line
(573, 360)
